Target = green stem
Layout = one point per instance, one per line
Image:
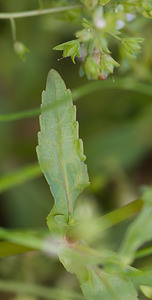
(18, 243)
(10, 248)
(34, 13)
(37, 290)
(20, 115)
(19, 176)
(13, 28)
(91, 87)
(124, 84)
(115, 36)
(122, 213)
(144, 252)
(92, 231)
(40, 4)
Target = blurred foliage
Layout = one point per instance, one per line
(115, 125)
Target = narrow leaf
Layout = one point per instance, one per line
(139, 232)
(60, 151)
(38, 291)
(9, 249)
(19, 176)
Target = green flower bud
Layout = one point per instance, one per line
(91, 68)
(90, 4)
(147, 8)
(70, 48)
(132, 44)
(107, 64)
(20, 49)
(84, 35)
(103, 2)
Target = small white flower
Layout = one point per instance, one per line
(120, 24)
(130, 17)
(100, 23)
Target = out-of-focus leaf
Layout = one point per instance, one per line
(147, 291)
(38, 290)
(141, 277)
(60, 151)
(97, 284)
(100, 285)
(139, 232)
(9, 249)
(23, 238)
(18, 177)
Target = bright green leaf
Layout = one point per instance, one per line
(132, 44)
(140, 231)
(70, 48)
(60, 151)
(103, 2)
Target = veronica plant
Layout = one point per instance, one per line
(102, 274)
(104, 20)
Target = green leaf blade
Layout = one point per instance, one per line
(139, 231)
(96, 283)
(60, 152)
(102, 285)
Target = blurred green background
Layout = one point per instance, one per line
(115, 125)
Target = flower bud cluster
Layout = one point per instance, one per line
(104, 19)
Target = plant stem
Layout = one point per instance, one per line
(77, 93)
(34, 13)
(13, 28)
(124, 84)
(40, 4)
(83, 231)
(37, 290)
(11, 249)
(122, 213)
(144, 252)
(17, 244)
(30, 113)
(19, 177)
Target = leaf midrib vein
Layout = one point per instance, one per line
(60, 155)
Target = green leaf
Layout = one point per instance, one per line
(70, 48)
(60, 151)
(32, 240)
(100, 285)
(139, 232)
(9, 249)
(147, 291)
(139, 277)
(103, 2)
(132, 44)
(96, 284)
